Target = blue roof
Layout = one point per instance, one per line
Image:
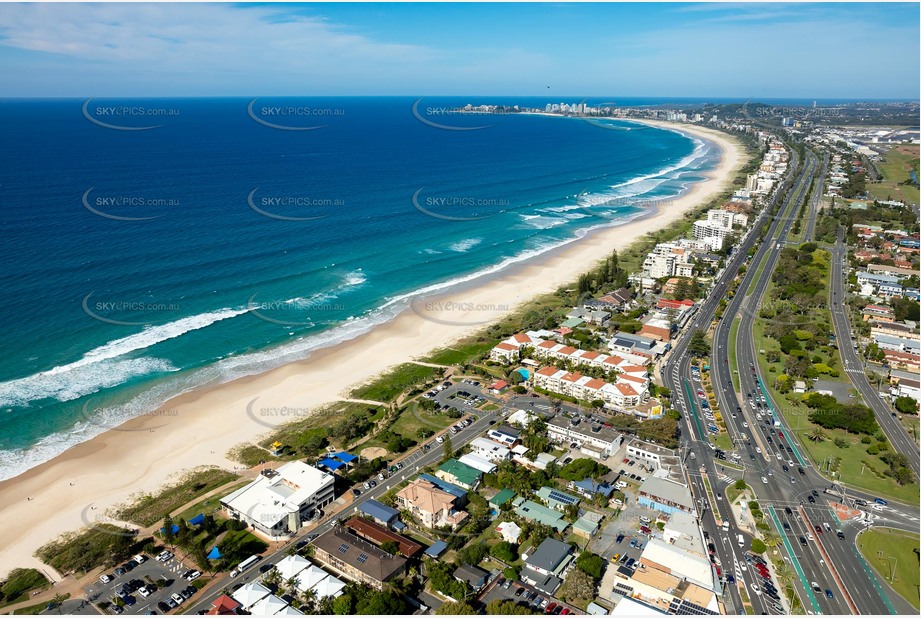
(175, 528)
(198, 519)
(436, 549)
(591, 486)
(445, 486)
(346, 457)
(215, 553)
(332, 464)
(376, 510)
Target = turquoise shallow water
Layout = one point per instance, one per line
(138, 264)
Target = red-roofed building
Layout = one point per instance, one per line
(677, 305)
(224, 606)
(498, 386)
(504, 353)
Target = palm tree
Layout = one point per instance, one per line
(309, 598)
(817, 434)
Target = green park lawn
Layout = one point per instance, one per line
(893, 554)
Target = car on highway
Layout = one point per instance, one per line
(802, 541)
(811, 499)
(816, 587)
(880, 501)
(764, 480)
(829, 593)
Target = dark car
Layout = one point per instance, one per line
(880, 501)
(265, 568)
(519, 591)
(840, 535)
(301, 544)
(829, 594)
(163, 607)
(811, 499)
(786, 526)
(730, 578)
(802, 540)
(620, 538)
(801, 471)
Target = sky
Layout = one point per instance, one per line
(744, 50)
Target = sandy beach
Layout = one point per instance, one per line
(202, 426)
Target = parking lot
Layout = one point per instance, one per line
(143, 586)
(522, 594)
(463, 396)
(627, 524)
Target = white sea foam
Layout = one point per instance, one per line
(79, 381)
(233, 367)
(462, 246)
(92, 372)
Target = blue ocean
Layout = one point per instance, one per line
(154, 246)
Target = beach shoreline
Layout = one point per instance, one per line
(145, 453)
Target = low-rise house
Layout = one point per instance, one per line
(498, 387)
(555, 498)
(506, 436)
(489, 450)
(544, 568)
(224, 605)
(433, 507)
(509, 531)
(528, 509)
(459, 474)
(356, 559)
(591, 488)
(249, 594)
(478, 463)
(587, 524)
(381, 513)
(475, 577)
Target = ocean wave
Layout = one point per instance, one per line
(348, 282)
(462, 246)
(78, 381)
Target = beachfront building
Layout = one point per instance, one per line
(508, 351)
(278, 502)
(356, 559)
(433, 507)
(668, 259)
(628, 390)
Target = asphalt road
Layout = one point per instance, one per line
(677, 376)
(825, 560)
(854, 367)
(412, 464)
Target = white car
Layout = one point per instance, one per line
(140, 558)
(744, 424)
(177, 598)
(756, 589)
(104, 578)
(194, 575)
(764, 480)
(758, 449)
(809, 536)
(144, 592)
(439, 439)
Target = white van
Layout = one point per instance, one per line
(741, 541)
(645, 520)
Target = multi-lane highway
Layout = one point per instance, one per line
(830, 576)
(702, 469)
(853, 364)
